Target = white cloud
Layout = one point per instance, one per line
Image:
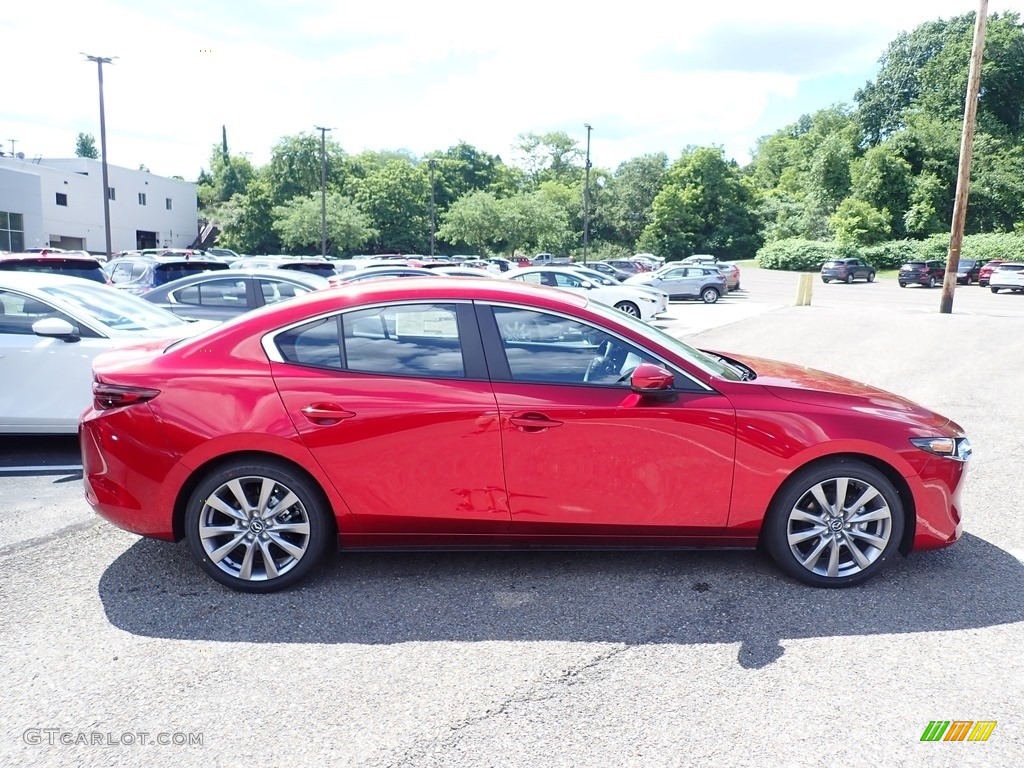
(649, 76)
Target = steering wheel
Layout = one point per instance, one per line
(601, 365)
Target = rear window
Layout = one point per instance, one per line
(87, 269)
(165, 273)
(914, 265)
(835, 263)
(324, 270)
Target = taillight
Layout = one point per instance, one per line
(107, 396)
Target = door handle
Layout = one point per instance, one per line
(326, 413)
(532, 422)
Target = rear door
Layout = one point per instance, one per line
(394, 404)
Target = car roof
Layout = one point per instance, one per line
(33, 281)
(280, 275)
(432, 288)
(55, 257)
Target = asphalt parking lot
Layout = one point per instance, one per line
(111, 644)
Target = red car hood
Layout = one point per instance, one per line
(798, 384)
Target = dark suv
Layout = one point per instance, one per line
(138, 274)
(846, 271)
(927, 273)
(72, 265)
(969, 271)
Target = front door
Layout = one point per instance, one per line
(584, 455)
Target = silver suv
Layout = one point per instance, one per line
(685, 281)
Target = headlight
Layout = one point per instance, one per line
(956, 448)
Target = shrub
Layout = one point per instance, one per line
(802, 255)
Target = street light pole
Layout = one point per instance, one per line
(433, 209)
(100, 61)
(323, 189)
(586, 198)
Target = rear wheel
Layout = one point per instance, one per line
(994, 289)
(931, 281)
(835, 524)
(903, 285)
(849, 278)
(257, 526)
(825, 280)
(871, 277)
(709, 295)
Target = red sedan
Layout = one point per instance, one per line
(455, 413)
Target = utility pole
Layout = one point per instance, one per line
(100, 61)
(963, 177)
(586, 198)
(433, 209)
(323, 189)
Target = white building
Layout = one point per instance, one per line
(59, 203)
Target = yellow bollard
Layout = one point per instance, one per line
(803, 290)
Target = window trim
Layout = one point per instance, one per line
(500, 370)
(473, 360)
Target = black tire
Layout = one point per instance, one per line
(795, 507)
(710, 295)
(276, 560)
(825, 280)
(629, 308)
(903, 285)
(737, 287)
(994, 289)
(849, 278)
(871, 277)
(931, 281)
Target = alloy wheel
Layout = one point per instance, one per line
(254, 528)
(839, 527)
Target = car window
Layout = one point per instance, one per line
(275, 290)
(87, 269)
(18, 312)
(229, 292)
(404, 340)
(548, 349)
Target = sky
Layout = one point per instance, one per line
(647, 75)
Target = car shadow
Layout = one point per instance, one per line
(635, 598)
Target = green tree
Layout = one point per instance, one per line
(927, 195)
(856, 221)
(704, 206)
(396, 197)
(246, 220)
(552, 156)
(299, 223)
(882, 179)
(630, 196)
(294, 169)
(85, 146)
(473, 219)
(531, 221)
(229, 175)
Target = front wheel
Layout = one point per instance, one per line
(824, 280)
(257, 526)
(709, 295)
(835, 524)
(629, 308)
(871, 277)
(849, 279)
(931, 281)
(994, 289)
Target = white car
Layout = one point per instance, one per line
(641, 304)
(51, 329)
(1009, 275)
(603, 279)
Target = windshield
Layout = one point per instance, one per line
(116, 310)
(708, 363)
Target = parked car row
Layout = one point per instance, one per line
(927, 272)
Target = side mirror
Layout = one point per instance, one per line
(587, 284)
(56, 328)
(652, 380)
